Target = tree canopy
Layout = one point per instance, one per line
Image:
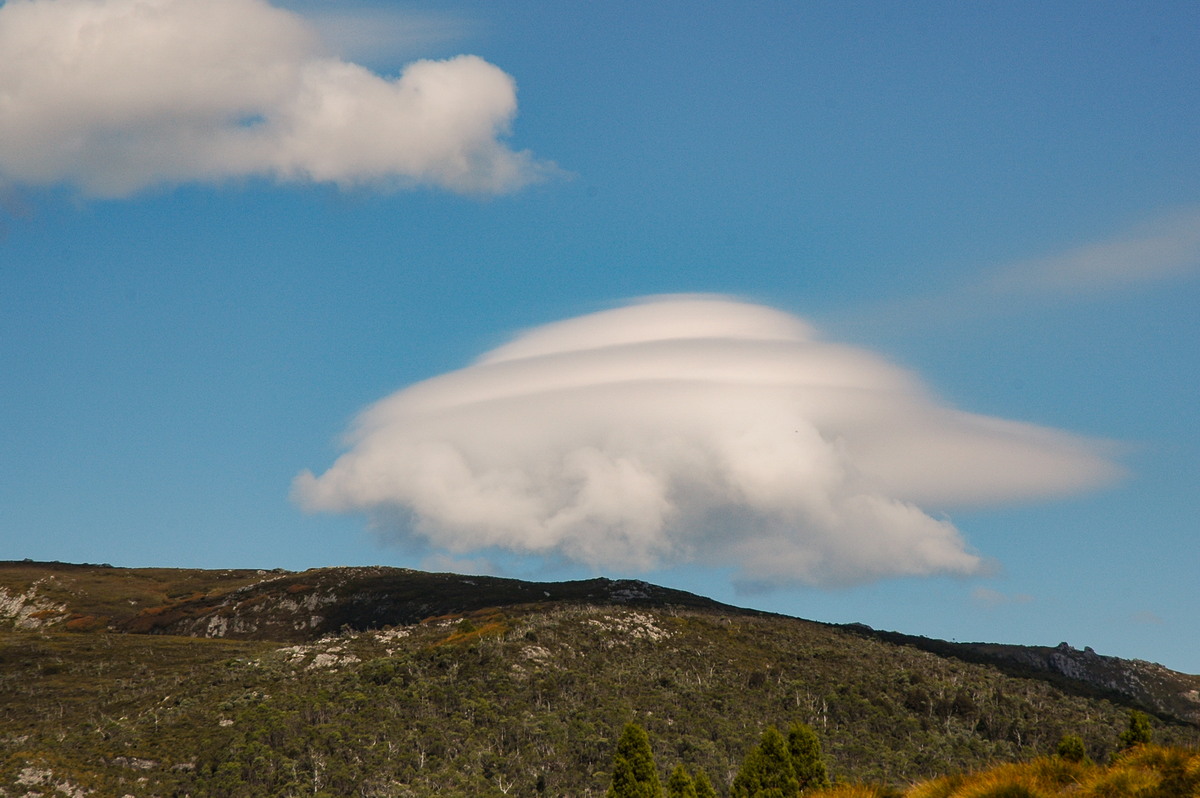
(634, 773)
(805, 749)
(767, 771)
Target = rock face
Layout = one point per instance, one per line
(1165, 692)
(29, 609)
(1160, 689)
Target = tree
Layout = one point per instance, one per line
(680, 784)
(704, 788)
(805, 749)
(767, 771)
(1139, 731)
(1071, 748)
(634, 773)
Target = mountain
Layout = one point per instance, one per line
(383, 681)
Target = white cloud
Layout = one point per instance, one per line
(1166, 247)
(115, 96)
(692, 429)
(370, 33)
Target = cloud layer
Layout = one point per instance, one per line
(1166, 247)
(114, 96)
(693, 429)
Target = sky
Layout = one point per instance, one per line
(858, 312)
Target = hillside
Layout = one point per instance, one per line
(378, 681)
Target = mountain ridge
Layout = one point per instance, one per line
(301, 606)
(388, 682)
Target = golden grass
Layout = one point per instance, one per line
(853, 791)
(1147, 771)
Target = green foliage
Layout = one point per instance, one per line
(528, 699)
(680, 784)
(634, 773)
(1138, 732)
(805, 750)
(704, 788)
(767, 771)
(1072, 749)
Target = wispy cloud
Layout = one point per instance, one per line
(693, 429)
(1160, 249)
(114, 96)
(365, 33)
(987, 597)
(1163, 248)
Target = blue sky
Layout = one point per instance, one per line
(1002, 200)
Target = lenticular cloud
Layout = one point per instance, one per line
(692, 429)
(114, 96)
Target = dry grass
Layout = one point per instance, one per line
(1148, 771)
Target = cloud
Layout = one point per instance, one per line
(1164, 248)
(693, 429)
(994, 598)
(1157, 250)
(381, 33)
(114, 96)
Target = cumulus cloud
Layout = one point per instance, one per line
(693, 429)
(114, 96)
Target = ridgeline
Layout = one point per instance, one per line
(382, 681)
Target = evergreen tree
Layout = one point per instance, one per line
(680, 784)
(634, 773)
(805, 749)
(767, 771)
(704, 788)
(1138, 732)
(1071, 748)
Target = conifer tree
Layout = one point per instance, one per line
(767, 771)
(805, 749)
(1139, 731)
(634, 773)
(680, 784)
(704, 788)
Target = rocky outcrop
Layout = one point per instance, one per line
(1161, 690)
(1137, 683)
(29, 609)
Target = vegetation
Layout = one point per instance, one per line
(680, 784)
(807, 762)
(767, 771)
(529, 697)
(634, 773)
(1071, 748)
(704, 788)
(1142, 771)
(1146, 772)
(1139, 732)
